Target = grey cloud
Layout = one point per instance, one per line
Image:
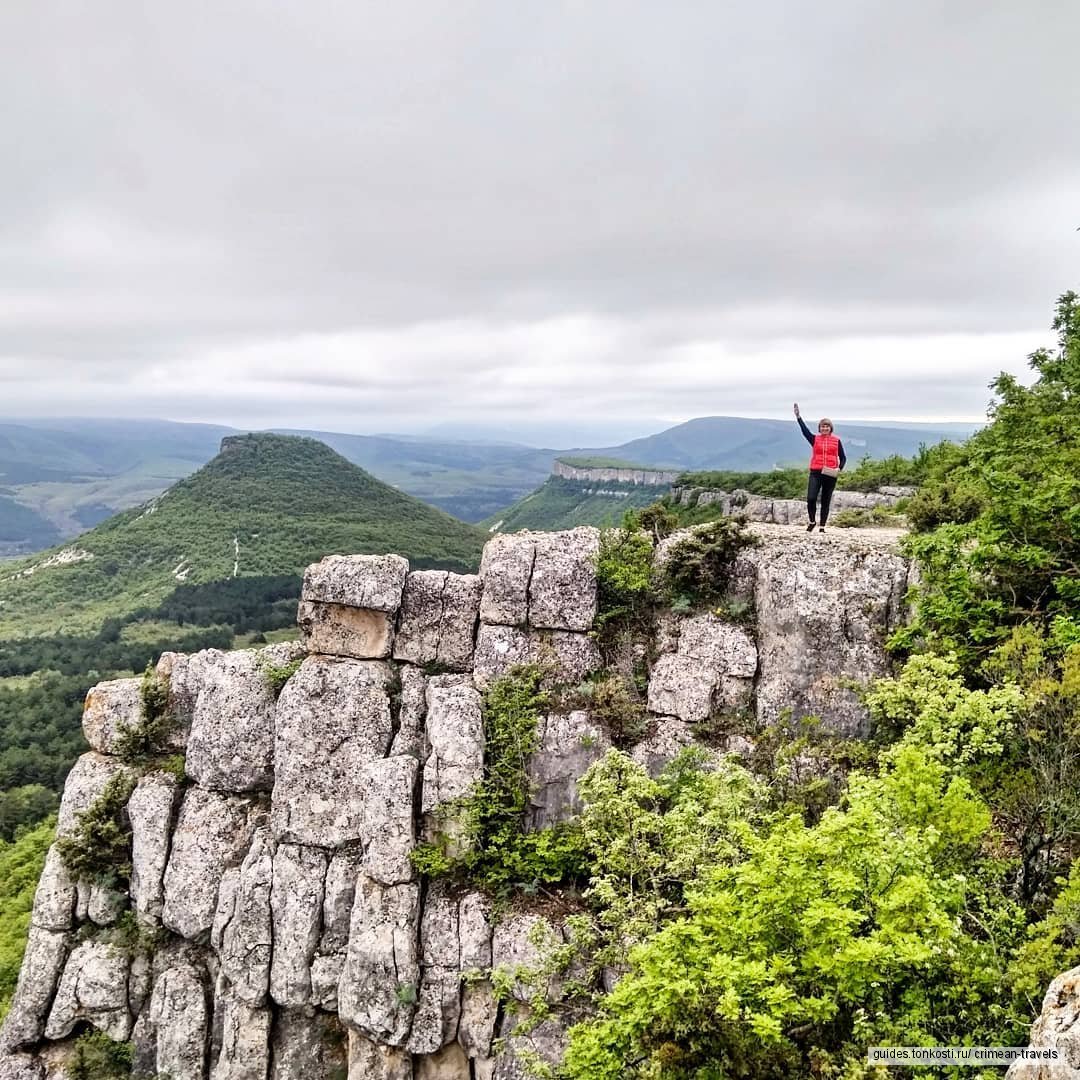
(183, 181)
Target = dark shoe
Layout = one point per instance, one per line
(822, 529)
(810, 527)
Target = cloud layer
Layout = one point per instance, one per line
(379, 216)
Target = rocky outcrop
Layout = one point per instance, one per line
(295, 938)
(1056, 1029)
(616, 474)
(771, 511)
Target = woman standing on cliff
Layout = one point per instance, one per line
(827, 458)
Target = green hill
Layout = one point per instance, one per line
(266, 505)
(561, 504)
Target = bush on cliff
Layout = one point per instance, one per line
(1000, 519)
(874, 926)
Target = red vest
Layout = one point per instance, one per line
(826, 452)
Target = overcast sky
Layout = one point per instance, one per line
(386, 216)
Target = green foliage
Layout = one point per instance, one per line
(805, 766)
(24, 806)
(277, 675)
(139, 743)
(624, 576)
(98, 848)
(616, 705)
(129, 934)
(483, 840)
(97, 1057)
(698, 567)
(658, 519)
(813, 942)
(878, 517)
(1005, 512)
(929, 705)
(21, 863)
(775, 484)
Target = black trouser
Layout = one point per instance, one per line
(823, 484)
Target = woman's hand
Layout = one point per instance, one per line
(796, 410)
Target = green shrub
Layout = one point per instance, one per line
(624, 577)
(698, 567)
(277, 675)
(97, 1057)
(21, 863)
(139, 743)
(484, 842)
(98, 848)
(658, 519)
(876, 517)
(805, 944)
(616, 705)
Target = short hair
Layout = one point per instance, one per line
(825, 420)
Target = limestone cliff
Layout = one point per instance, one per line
(291, 935)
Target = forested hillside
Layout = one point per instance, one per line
(215, 561)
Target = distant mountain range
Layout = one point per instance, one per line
(59, 477)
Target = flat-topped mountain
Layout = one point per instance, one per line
(267, 504)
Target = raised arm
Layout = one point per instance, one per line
(807, 433)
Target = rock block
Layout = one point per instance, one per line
(359, 581)
(454, 734)
(568, 746)
(333, 719)
(379, 982)
(337, 630)
(150, 810)
(110, 708)
(213, 832)
(562, 587)
(505, 568)
(230, 746)
(93, 988)
(682, 686)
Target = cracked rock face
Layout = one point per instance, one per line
(438, 619)
(94, 988)
(333, 719)
(297, 903)
(568, 656)
(177, 1023)
(562, 589)
(212, 833)
(359, 581)
(568, 746)
(230, 746)
(379, 983)
(243, 1033)
(822, 624)
(339, 630)
(150, 810)
(24, 1025)
(505, 568)
(242, 933)
(296, 939)
(308, 1047)
(454, 734)
(1056, 1027)
(54, 899)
